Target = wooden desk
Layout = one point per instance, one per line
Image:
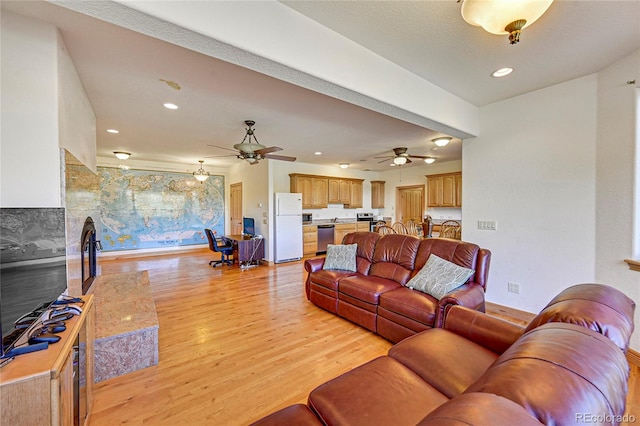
(245, 250)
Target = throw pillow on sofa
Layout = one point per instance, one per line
(439, 276)
(341, 257)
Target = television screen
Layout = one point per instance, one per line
(248, 226)
(33, 268)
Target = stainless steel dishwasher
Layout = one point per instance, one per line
(325, 236)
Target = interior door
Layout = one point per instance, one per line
(410, 203)
(235, 198)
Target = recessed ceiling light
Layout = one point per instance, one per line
(317, 153)
(502, 72)
(344, 165)
(113, 131)
(170, 106)
(429, 160)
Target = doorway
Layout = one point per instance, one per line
(235, 201)
(409, 203)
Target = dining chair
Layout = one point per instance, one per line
(385, 229)
(451, 229)
(412, 228)
(399, 228)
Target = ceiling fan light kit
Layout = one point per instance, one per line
(201, 174)
(504, 16)
(399, 161)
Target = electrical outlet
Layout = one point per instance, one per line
(513, 288)
(487, 225)
(264, 221)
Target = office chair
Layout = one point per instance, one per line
(224, 250)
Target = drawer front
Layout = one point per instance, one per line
(310, 247)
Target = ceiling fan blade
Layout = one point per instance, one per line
(418, 156)
(221, 156)
(385, 159)
(280, 157)
(268, 150)
(385, 156)
(222, 147)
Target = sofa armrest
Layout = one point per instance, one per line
(493, 333)
(470, 295)
(313, 265)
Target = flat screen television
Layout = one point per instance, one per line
(248, 226)
(33, 270)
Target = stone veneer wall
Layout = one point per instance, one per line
(81, 198)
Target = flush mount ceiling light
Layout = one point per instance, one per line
(344, 165)
(504, 16)
(201, 174)
(121, 155)
(442, 141)
(170, 106)
(429, 160)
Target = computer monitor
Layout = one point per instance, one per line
(248, 226)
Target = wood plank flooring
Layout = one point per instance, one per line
(235, 345)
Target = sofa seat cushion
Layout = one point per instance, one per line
(382, 391)
(479, 409)
(298, 414)
(412, 304)
(329, 278)
(452, 364)
(559, 372)
(366, 288)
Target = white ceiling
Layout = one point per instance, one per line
(121, 71)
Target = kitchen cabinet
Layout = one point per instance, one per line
(363, 226)
(314, 190)
(341, 230)
(40, 388)
(377, 194)
(309, 239)
(356, 194)
(444, 190)
(318, 191)
(339, 191)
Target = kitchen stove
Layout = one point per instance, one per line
(367, 217)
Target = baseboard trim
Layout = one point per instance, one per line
(633, 357)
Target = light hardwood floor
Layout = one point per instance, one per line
(235, 345)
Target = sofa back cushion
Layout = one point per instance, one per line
(459, 252)
(394, 257)
(598, 307)
(366, 242)
(562, 374)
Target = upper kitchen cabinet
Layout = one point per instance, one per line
(339, 191)
(319, 191)
(377, 194)
(313, 189)
(444, 190)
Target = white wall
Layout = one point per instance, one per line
(616, 171)
(76, 118)
(29, 151)
(533, 171)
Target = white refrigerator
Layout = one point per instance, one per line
(287, 227)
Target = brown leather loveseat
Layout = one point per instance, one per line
(567, 367)
(375, 296)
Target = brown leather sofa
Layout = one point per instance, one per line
(567, 367)
(375, 296)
